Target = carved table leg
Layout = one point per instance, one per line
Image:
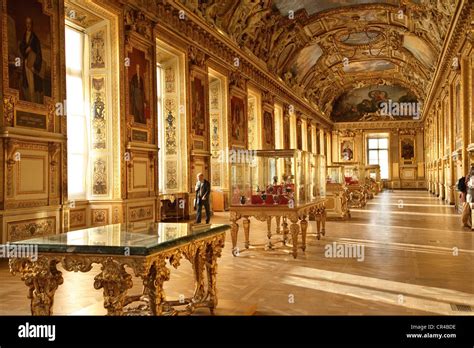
(278, 221)
(198, 264)
(304, 228)
(246, 223)
(213, 252)
(295, 229)
(115, 281)
(153, 285)
(234, 229)
(285, 230)
(318, 224)
(269, 232)
(42, 278)
(323, 222)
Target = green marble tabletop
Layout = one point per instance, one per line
(139, 239)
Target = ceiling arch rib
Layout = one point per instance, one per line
(322, 48)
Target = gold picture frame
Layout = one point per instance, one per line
(407, 149)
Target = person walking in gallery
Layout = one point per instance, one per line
(203, 190)
(467, 195)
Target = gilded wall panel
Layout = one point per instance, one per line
(99, 112)
(98, 49)
(99, 176)
(171, 176)
(140, 174)
(141, 213)
(78, 218)
(26, 229)
(252, 123)
(99, 217)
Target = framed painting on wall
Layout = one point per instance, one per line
(29, 50)
(238, 122)
(268, 130)
(347, 150)
(198, 106)
(138, 87)
(407, 150)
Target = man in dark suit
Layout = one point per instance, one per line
(203, 190)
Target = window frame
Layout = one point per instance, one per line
(82, 74)
(378, 149)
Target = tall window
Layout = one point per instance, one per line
(378, 154)
(76, 114)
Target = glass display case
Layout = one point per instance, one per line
(334, 175)
(319, 176)
(277, 177)
(337, 193)
(353, 173)
(373, 172)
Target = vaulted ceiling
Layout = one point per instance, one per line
(326, 49)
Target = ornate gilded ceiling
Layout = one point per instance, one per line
(324, 49)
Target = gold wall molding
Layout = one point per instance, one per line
(27, 229)
(388, 125)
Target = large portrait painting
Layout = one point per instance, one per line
(198, 115)
(407, 150)
(375, 103)
(347, 150)
(138, 86)
(238, 121)
(29, 50)
(268, 130)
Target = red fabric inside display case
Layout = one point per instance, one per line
(257, 199)
(350, 181)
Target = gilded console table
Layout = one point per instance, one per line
(146, 251)
(297, 216)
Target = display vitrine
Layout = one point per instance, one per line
(334, 175)
(337, 194)
(354, 173)
(287, 185)
(277, 177)
(372, 172)
(319, 176)
(354, 178)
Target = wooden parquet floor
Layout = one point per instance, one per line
(418, 260)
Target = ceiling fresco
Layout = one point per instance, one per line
(325, 49)
(369, 65)
(419, 49)
(375, 103)
(306, 59)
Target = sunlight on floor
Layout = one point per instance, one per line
(424, 298)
